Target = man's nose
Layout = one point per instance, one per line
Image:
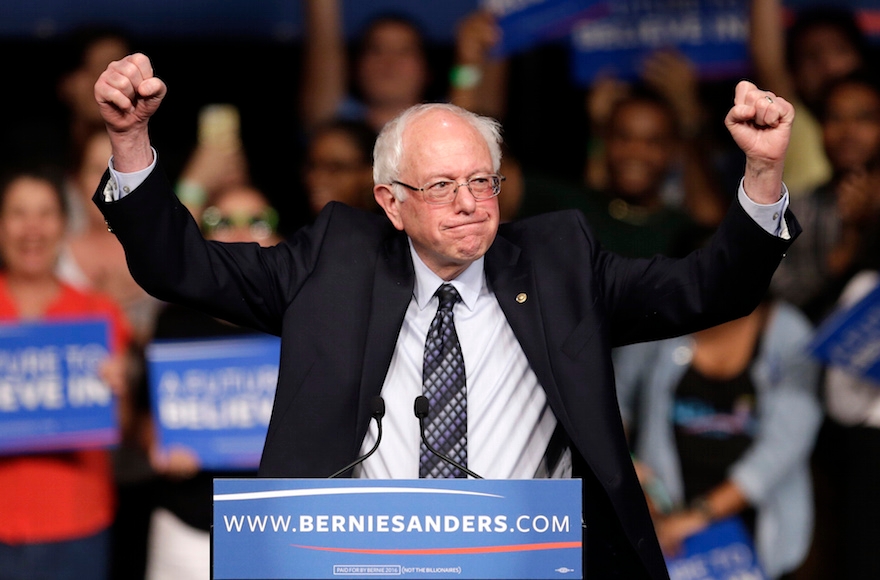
(464, 199)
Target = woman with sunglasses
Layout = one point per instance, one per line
(179, 539)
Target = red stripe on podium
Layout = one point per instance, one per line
(449, 551)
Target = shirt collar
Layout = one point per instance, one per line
(468, 284)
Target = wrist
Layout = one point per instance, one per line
(762, 182)
(131, 150)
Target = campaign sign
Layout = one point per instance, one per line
(51, 395)
(850, 339)
(527, 23)
(423, 528)
(214, 397)
(711, 33)
(723, 551)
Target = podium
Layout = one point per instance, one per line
(425, 528)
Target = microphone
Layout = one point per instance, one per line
(421, 411)
(377, 404)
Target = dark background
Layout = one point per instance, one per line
(249, 53)
(210, 52)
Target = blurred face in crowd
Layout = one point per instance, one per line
(391, 68)
(441, 146)
(822, 54)
(78, 87)
(32, 225)
(337, 171)
(241, 214)
(640, 149)
(851, 128)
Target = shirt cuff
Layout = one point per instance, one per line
(121, 184)
(771, 217)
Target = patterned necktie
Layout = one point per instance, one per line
(443, 381)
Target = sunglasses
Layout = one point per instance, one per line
(261, 225)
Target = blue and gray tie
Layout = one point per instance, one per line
(443, 379)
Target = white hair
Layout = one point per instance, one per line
(388, 150)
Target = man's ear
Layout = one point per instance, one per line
(386, 200)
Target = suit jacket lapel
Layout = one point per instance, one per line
(392, 291)
(512, 279)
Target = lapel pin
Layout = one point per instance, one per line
(522, 297)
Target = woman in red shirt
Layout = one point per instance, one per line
(55, 508)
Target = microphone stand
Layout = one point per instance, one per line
(378, 405)
(421, 411)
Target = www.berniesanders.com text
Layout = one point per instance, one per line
(326, 523)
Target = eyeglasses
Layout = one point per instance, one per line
(260, 226)
(442, 192)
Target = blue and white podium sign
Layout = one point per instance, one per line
(527, 23)
(723, 551)
(51, 395)
(214, 397)
(850, 339)
(427, 528)
(711, 33)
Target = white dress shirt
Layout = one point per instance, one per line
(509, 420)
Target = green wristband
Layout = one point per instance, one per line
(465, 76)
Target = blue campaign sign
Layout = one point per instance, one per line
(51, 395)
(723, 551)
(214, 397)
(526, 23)
(427, 528)
(850, 339)
(711, 33)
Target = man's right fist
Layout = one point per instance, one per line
(128, 94)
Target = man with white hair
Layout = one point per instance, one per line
(528, 311)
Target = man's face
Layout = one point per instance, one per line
(336, 171)
(640, 150)
(823, 54)
(448, 238)
(851, 127)
(78, 87)
(392, 69)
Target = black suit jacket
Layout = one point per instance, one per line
(337, 291)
